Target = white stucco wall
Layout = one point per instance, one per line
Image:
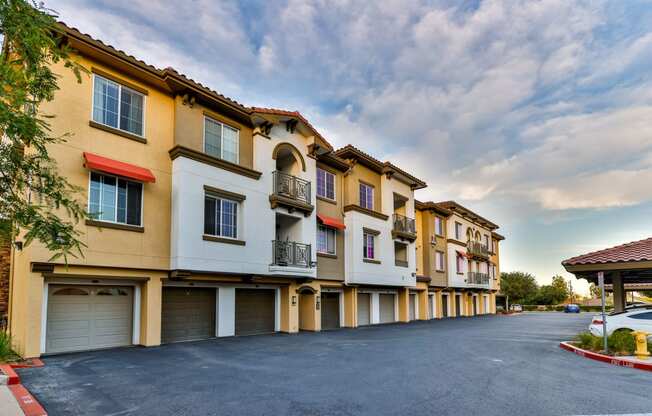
(256, 219)
(459, 280)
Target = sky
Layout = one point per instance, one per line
(535, 114)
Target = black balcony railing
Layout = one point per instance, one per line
(477, 278)
(291, 254)
(403, 224)
(292, 187)
(478, 249)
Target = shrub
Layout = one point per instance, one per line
(621, 343)
(5, 347)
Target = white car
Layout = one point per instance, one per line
(639, 319)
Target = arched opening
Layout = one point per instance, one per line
(307, 313)
(288, 159)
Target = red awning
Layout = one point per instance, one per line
(331, 222)
(461, 253)
(103, 164)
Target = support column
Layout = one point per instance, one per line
(422, 297)
(404, 304)
(619, 292)
(289, 305)
(150, 312)
(350, 307)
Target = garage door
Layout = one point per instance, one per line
(413, 307)
(431, 306)
(330, 310)
(88, 317)
(364, 301)
(386, 308)
(188, 314)
(254, 311)
(444, 306)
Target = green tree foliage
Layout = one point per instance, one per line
(34, 198)
(595, 291)
(519, 286)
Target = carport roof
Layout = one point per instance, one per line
(633, 261)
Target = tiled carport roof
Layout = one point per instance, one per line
(634, 251)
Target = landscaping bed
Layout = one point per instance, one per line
(620, 343)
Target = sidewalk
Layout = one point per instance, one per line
(8, 404)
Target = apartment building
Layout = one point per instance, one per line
(213, 219)
(458, 254)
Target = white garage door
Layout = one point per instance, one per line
(386, 308)
(88, 317)
(413, 307)
(364, 316)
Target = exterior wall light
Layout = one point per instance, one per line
(317, 305)
(294, 300)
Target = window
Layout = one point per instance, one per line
(366, 196)
(460, 264)
(368, 246)
(644, 315)
(495, 246)
(326, 240)
(117, 106)
(325, 184)
(458, 231)
(221, 141)
(492, 271)
(220, 217)
(439, 260)
(439, 226)
(70, 291)
(486, 241)
(114, 199)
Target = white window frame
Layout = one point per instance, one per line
(438, 255)
(459, 226)
(327, 230)
(373, 244)
(237, 216)
(459, 264)
(326, 173)
(487, 241)
(371, 190)
(120, 87)
(439, 226)
(142, 198)
(237, 153)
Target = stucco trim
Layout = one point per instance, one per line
(293, 149)
(216, 239)
(115, 226)
(119, 80)
(177, 151)
(372, 261)
(225, 194)
(118, 132)
(370, 231)
(358, 208)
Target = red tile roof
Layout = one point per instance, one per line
(634, 251)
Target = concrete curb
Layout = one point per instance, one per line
(28, 404)
(622, 362)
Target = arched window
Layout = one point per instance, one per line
(70, 291)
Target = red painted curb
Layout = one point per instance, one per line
(605, 358)
(28, 404)
(8, 371)
(32, 362)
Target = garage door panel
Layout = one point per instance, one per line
(80, 319)
(330, 310)
(255, 311)
(387, 314)
(188, 314)
(364, 308)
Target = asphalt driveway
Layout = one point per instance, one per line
(471, 366)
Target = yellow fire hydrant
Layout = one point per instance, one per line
(641, 345)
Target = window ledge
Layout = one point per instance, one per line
(401, 263)
(223, 240)
(119, 132)
(328, 200)
(327, 255)
(372, 261)
(440, 270)
(115, 226)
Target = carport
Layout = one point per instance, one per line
(624, 267)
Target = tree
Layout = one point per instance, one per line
(560, 289)
(519, 286)
(595, 291)
(34, 198)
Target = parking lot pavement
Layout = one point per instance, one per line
(489, 365)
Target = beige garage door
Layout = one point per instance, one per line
(330, 310)
(364, 302)
(88, 317)
(187, 314)
(413, 306)
(386, 308)
(254, 311)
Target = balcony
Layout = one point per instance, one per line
(291, 192)
(477, 278)
(291, 254)
(478, 250)
(403, 228)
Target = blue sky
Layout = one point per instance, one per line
(535, 114)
